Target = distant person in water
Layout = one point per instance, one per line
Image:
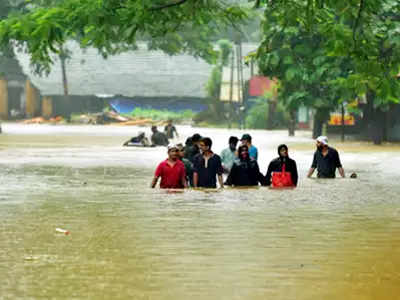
(139, 140)
(207, 166)
(192, 147)
(171, 171)
(282, 162)
(170, 130)
(245, 171)
(246, 140)
(228, 155)
(326, 160)
(158, 138)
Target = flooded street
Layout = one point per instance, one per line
(327, 239)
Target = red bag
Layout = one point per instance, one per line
(282, 179)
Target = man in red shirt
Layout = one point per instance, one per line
(172, 171)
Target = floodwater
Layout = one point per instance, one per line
(327, 239)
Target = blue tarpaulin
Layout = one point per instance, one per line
(127, 105)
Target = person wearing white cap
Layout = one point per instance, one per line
(326, 160)
(172, 171)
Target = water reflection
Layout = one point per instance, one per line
(327, 239)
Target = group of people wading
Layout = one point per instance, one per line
(196, 165)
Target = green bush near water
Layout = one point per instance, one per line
(257, 116)
(159, 115)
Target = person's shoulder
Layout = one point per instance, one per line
(224, 151)
(333, 150)
(216, 156)
(180, 163)
(197, 156)
(275, 160)
(163, 163)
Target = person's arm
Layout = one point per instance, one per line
(295, 176)
(313, 166)
(267, 179)
(184, 182)
(339, 165)
(229, 179)
(183, 177)
(176, 132)
(259, 176)
(221, 181)
(220, 171)
(310, 172)
(154, 182)
(195, 179)
(341, 172)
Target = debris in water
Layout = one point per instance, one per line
(60, 230)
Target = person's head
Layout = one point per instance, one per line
(154, 128)
(169, 122)
(321, 142)
(181, 150)
(243, 152)
(233, 140)
(283, 151)
(189, 141)
(173, 152)
(196, 138)
(205, 144)
(141, 134)
(246, 139)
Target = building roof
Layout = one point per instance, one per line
(134, 73)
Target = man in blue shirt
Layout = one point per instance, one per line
(228, 155)
(246, 140)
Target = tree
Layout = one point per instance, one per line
(213, 86)
(325, 52)
(112, 26)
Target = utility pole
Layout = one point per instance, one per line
(231, 88)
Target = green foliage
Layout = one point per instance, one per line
(327, 52)
(257, 116)
(162, 114)
(112, 26)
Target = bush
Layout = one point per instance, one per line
(257, 115)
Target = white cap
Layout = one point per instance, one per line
(172, 146)
(323, 140)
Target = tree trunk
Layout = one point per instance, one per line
(320, 117)
(375, 120)
(64, 75)
(292, 123)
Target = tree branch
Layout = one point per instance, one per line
(180, 2)
(357, 21)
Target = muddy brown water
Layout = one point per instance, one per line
(327, 239)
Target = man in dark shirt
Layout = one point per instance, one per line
(207, 166)
(326, 160)
(192, 147)
(158, 138)
(244, 171)
(188, 164)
